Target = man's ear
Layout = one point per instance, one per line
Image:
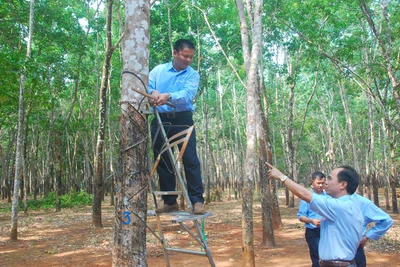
(344, 185)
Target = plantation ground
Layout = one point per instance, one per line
(66, 239)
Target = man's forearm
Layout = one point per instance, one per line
(305, 219)
(300, 191)
(294, 187)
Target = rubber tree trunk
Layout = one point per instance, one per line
(18, 154)
(132, 179)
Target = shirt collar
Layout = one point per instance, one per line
(323, 192)
(171, 67)
(345, 197)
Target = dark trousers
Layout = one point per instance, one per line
(190, 160)
(312, 238)
(360, 258)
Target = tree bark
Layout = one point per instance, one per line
(252, 85)
(57, 182)
(239, 174)
(132, 180)
(371, 154)
(99, 158)
(385, 171)
(392, 169)
(6, 187)
(18, 152)
(264, 155)
(206, 151)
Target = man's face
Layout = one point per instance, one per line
(333, 187)
(318, 185)
(183, 58)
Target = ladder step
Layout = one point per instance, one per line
(186, 216)
(151, 213)
(180, 216)
(167, 193)
(149, 112)
(186, 251)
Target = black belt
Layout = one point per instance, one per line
(337, 263)
(172, 115)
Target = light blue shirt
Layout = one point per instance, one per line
(372, 213)
(182, 85)
(304, 210)
(341, 226)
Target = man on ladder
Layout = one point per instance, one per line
(176, 82)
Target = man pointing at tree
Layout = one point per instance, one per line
(342, 222)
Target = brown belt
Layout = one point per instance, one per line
(336, 263)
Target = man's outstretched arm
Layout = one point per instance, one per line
(300, 191)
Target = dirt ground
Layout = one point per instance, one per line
(66, 239)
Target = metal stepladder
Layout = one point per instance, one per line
(181, 217)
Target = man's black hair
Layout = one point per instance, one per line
(181, 44)
(317, 175)
(349, 174)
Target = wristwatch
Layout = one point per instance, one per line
(283, 178)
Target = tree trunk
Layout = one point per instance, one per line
(7, 162)
(264, 155)
(26, 187)
(289, 138)
(49, 152)
(238, 168)
(132, 180)
(206, 152)
(252, 85)
(385, 171)
(18, 161)
(19, 145)
(74, 174)
(393, 174)
(111, 149)
(99, 158)
(222, 149)
(57, 182)
(371, 154)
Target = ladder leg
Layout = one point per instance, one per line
(204, 243)
(163, 241)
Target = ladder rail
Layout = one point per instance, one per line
(174, 162)
(182, 216)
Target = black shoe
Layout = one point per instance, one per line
(168, 208)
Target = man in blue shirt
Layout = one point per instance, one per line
(342, 222)
(177, 82)
(311, 219)
(371, 213)
(374, 214)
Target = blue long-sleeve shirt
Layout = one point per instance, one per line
(341, 226)
(372, 213)
(182, 85)
(304, 210)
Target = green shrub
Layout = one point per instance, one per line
(76, 199)
(70, 200)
